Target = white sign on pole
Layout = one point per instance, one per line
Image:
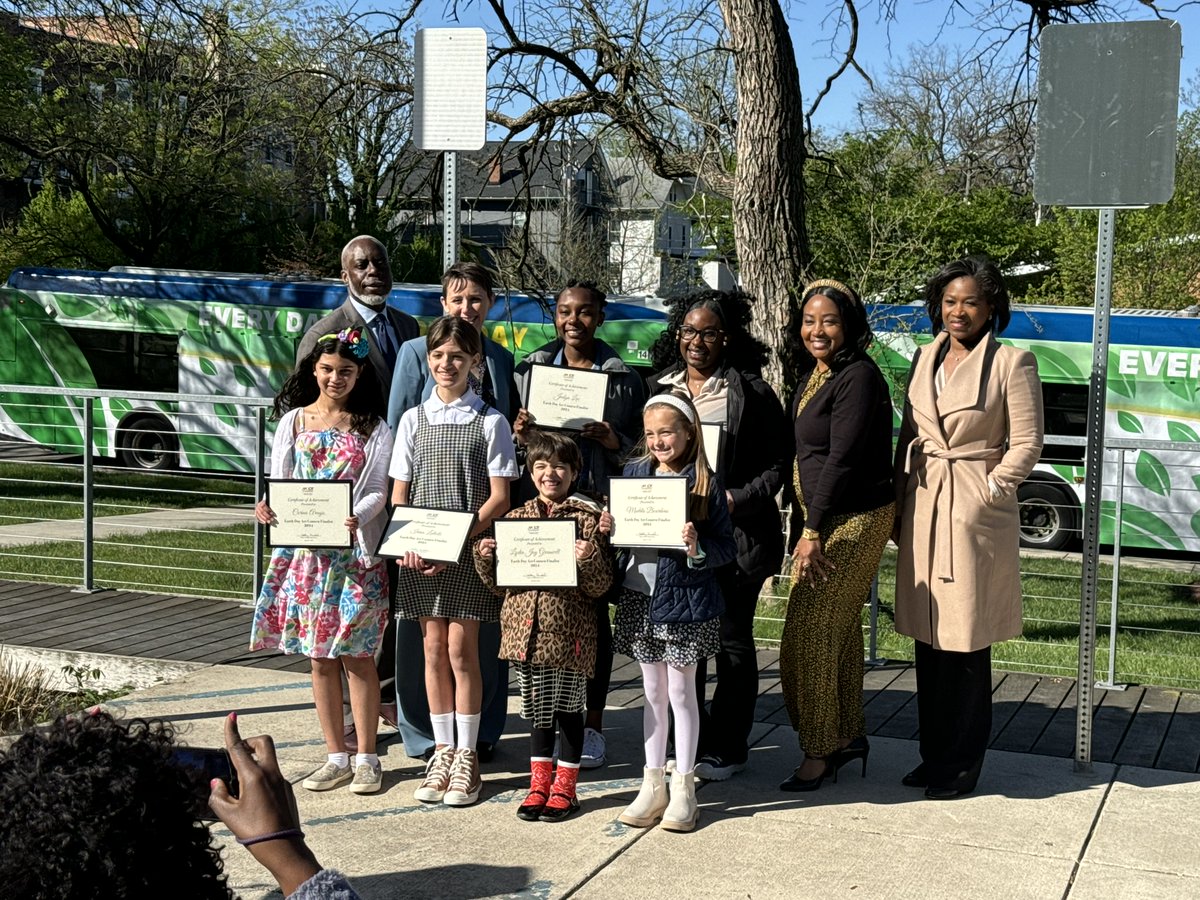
(450, 88)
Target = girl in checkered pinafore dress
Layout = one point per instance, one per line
(452, 452)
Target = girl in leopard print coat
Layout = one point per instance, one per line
(549, 634)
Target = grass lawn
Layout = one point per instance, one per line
(214, 563)
(33, 491)
(1158, 632)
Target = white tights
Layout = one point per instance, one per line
(670, 688)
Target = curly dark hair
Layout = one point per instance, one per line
(743, 352)
(855, 327)
(365, 399)
(95, 809)
(991, 287)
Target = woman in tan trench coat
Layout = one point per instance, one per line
(972, 432)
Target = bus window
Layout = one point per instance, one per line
(1065, 407)
(121, 360)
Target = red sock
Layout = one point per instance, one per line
(539, 783)
(563, 791)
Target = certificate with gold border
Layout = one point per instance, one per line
(565, 398)
(648, 512)
(310, 514)
(435, 535)
(536, 553)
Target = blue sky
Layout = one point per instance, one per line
(917, 23)
(819, 36)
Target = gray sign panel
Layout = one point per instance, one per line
(1108, 100)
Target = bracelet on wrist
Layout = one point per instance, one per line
(286, 834)
(810, 534)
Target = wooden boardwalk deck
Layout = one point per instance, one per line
(1141, 726)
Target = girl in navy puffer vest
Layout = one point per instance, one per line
(668, 614)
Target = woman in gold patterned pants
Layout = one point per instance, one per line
(843, 481)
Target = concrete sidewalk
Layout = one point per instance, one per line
(1034, 829)
(198, 518)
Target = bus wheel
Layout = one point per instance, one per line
(1050, 518)
(148, 443)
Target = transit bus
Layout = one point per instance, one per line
(1153, 395)
(235, 336)
(146, 331)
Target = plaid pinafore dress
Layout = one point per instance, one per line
(450, 471)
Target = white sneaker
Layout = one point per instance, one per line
(594, 749)
(715, 768)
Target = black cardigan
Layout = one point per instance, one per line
(844, 443)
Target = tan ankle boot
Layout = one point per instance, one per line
(647, 807)
(683, 811)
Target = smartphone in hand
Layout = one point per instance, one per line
(206, 764)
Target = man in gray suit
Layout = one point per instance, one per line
(368, 278)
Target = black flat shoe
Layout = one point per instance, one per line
(916, 778)
(531, 811)
(558, 813)
(947, 793)
(795, 784)
(859, 748)
(485, 750)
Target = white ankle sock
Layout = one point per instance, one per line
(341, 760)
(443, 728)
(369, 759)
(468, 730)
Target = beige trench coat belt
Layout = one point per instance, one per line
(941, 482)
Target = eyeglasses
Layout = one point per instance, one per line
(687, 334)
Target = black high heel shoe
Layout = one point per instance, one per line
(859, 748)
(796, 784)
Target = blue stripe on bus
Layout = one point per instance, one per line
(417, 301)
(1069, 325)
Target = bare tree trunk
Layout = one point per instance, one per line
(768, 199)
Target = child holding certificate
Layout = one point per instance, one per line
(332, 605)
(549, 633)
(668, 615)
(453, 452)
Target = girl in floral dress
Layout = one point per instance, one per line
(332, 605)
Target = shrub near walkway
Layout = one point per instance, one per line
(1158, 622)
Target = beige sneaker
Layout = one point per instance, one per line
(328, 777)
(465, 783)
(437, 776)
(367, 779)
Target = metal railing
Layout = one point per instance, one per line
(69, 517)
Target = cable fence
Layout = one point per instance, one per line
(1148, 627)
(176, 517)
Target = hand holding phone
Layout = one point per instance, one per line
(208, 763)
(264, 804)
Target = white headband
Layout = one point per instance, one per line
(672, 400)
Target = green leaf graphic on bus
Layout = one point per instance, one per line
(1178, 431)
(210, 451)
(1123, 385)
(1140, 523)
(1179, 388)
(1129, 422)
(1152, 474)
(207, 367)
(1054, 365)
(243, 376)
(1196, 524)
(1196, 481)
(226, 413)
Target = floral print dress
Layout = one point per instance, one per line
(322, 603)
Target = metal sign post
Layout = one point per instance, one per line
(450, 220)
(1108, 100)
(450, 109)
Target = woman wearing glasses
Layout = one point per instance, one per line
(708, 352)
